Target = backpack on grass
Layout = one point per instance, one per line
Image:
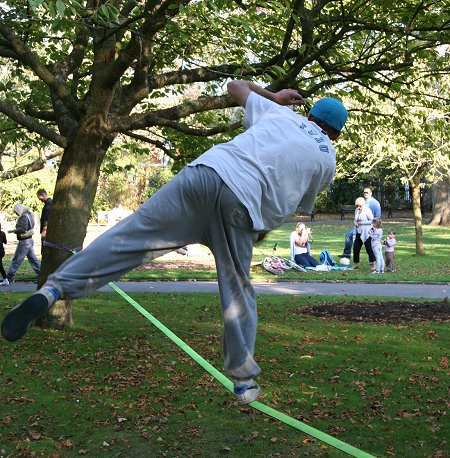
(326, 258)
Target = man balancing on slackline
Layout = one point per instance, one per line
(226, 199)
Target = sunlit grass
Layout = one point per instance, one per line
(113, 385)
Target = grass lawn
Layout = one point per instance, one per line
(433, 267)
(114, 386)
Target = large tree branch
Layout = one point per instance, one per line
(203, 74)
(303, 60)
(143, 120)
(34, 166)
(158, 143)
(298, 8)
(48, 115)
(30, 59)
(31, 125)
(135, 92)
(38, 164)
(74, 60)
(159, 13)
(185, 129)
(367, 70)
(417, 33)
(172, 153)
(138, 89)
(7, 53)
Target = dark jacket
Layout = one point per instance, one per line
(45, 213)
(3, 241)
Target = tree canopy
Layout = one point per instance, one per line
(126, 61)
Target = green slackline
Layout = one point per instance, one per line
(330, 440)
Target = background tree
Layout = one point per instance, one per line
(94, 69)
(130, 174)
(412, 142)
(441, 202)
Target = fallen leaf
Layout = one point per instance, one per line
(34, 435)
(443, 363)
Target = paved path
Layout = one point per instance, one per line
(440, 291)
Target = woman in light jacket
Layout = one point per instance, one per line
(300, 246)
(363, 222)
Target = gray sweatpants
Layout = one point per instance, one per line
(194, 207)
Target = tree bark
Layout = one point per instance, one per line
(60, 316)
(417, 212)
(441, 203)
(73, 198)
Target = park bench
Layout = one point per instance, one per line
(311, 215)
(347, 209)
(399, 207)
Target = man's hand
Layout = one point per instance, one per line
(239, 90)
(288, 97)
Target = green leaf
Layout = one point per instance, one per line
(104, 11)
(34, 4)
(52, 9)
(112, 11)
(61, 7)
(279, 71)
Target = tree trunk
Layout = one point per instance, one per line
(415, 187)
(441, 203)
(71, 208)
(60, 316)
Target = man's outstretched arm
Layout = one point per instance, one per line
(239, 90)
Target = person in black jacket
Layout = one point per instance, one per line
(3, 242)
(25, 247)
(43, 197)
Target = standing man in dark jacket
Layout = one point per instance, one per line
(43, 197)
(25, 247)
(3, 242)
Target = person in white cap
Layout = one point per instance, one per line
(227, 199)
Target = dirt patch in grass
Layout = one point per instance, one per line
(193, 257)
(356, 311)
(380, 311)
(172, 265)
